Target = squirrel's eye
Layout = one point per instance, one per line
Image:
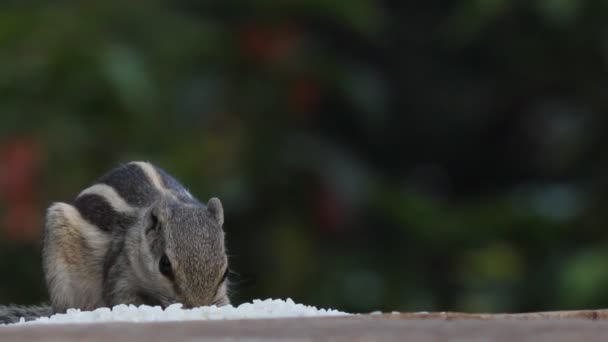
(164, 266)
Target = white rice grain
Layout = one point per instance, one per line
(269, 308)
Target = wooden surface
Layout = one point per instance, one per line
(601, 315)
(556, 326)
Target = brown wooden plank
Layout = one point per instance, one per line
(556, 315)
(411, 327)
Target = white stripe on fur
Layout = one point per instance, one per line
(110, 195)
(94, 237)
(152, 175)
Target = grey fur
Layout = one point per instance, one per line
(106, 248)
(13, 313)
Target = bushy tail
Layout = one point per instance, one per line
(13, 313)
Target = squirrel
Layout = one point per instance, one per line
(136, 236)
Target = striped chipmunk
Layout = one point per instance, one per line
(136, 236)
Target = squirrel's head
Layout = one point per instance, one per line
(180, 254)
(183, 249)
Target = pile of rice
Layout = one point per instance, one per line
(269, 308)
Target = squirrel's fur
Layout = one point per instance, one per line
(13, 313)
(136, 236)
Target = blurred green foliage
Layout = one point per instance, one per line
(445, 155)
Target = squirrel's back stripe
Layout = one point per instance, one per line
(110, 195)
(117, 196)
(132, 184)
(165, 183)
(151, 174)
(96, 210)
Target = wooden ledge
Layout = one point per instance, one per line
(547, 315)
(542, 326)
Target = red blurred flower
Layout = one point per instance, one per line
(268, 45)
(330, 212)
(304, 95)
(19, 165)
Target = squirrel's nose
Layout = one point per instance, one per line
(195, 301)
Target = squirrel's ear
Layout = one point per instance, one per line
(214, 207)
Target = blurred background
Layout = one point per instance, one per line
(370, 155)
